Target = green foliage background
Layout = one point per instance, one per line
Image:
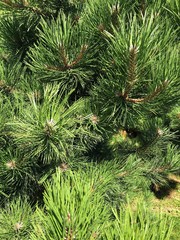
(89, 114)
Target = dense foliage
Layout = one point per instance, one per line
(89, 113)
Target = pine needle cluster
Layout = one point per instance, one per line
(89, 113)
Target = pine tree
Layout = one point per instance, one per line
(89, 89)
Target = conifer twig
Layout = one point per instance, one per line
(132, 78)
(155, 93)
(79, 57)
(131, 71)
(63, 55)
(65, 59)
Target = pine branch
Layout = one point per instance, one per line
(132, 77)
(157, 91)
(16, 219)
(79, 57)
(151, 96)
(64, 57)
